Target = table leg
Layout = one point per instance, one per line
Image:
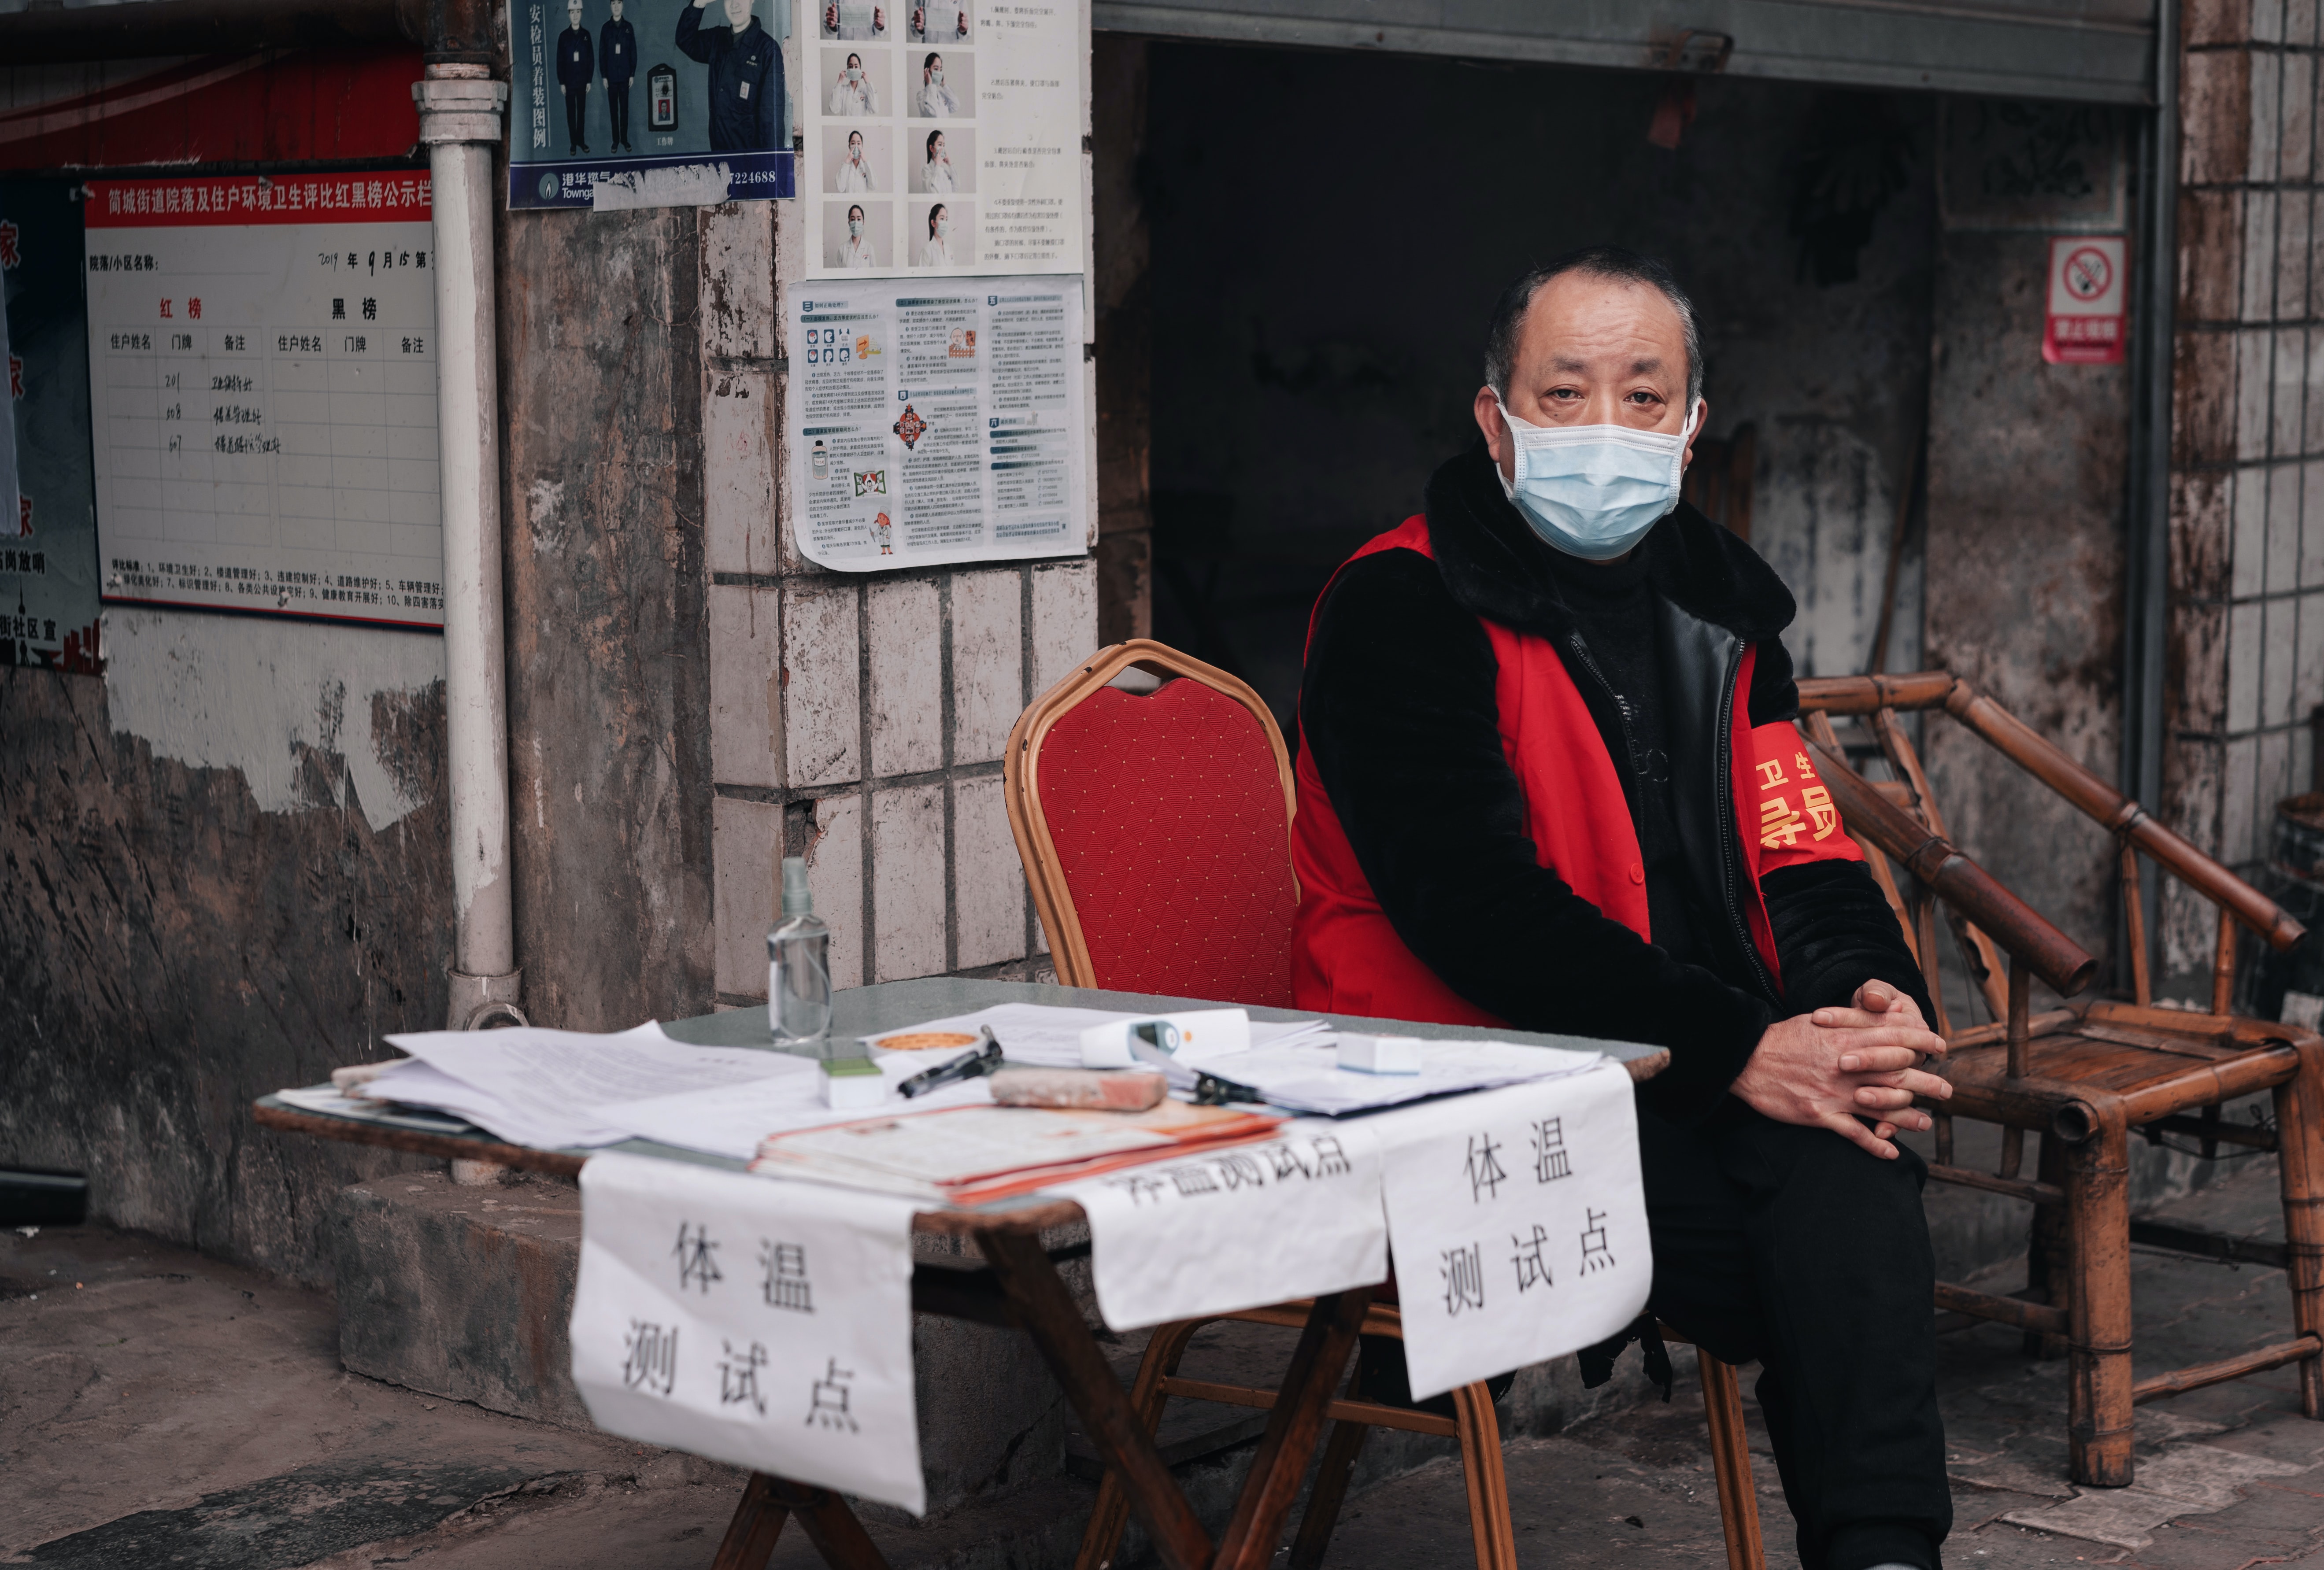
(758, 1522)
(768, 1502)
(1293, 1428)
(1049, 1314)
(832, 1527)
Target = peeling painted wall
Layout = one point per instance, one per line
(224, 864)
(227, 692)
(2245, 643)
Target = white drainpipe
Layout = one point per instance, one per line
(460, 109)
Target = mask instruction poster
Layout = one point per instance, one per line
(934, 422)
(941, 138)
(262, 382)
(649, 103)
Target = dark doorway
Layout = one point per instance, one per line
(1328, 233)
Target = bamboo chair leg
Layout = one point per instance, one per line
(2047, 1266)
(1330, 1492)
(1489, 1484)
(1107, 1521)
(2099, 1425)
(2300, 1155)
(1730, 1462)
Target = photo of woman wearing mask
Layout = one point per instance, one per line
(935, 175)
(936, 251)
(935, 101)
(855, 250)
(854, 171)
(854, 92)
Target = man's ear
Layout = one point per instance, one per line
(1487, 410)
(1702, 419)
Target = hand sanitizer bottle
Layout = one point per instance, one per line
(798, 966)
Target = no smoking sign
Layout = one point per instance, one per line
(2086, 317)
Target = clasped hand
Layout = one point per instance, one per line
(1837, 1067)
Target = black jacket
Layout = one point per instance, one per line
(617, 52)
(1399, 713)
(746, 81)
(576, 61)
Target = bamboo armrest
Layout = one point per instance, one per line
(2034, 753)
(1959, 882)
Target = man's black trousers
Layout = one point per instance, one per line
(576, 117)
(617, 106)
(1798, 1249)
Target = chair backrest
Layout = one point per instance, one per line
(1156, 829)
(1906, 805)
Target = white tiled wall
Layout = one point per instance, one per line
(904, 657)
(857, 719)
(988, 662)
(988, 885)
(834, 878)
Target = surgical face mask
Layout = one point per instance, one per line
(1593, 492)
(855, 228)
(854, 73)
(855, 153)
(944, 227)
(935, 75)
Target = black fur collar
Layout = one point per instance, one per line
(1495, 565)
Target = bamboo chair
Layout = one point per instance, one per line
(2083, 1077)
(1158, 851)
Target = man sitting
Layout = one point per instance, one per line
(1547, 779)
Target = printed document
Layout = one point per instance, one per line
(764, 1324)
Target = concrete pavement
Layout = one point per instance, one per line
(158, 1407)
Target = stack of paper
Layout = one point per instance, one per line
(971, 1154)
(555, 1089)
(732, 1121)
(1303, 1075)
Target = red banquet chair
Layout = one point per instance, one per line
(1156, 832)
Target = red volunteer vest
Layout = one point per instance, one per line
(1345, 956)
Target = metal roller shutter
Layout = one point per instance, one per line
(2097, 50)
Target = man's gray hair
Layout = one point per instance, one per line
(1594, 262)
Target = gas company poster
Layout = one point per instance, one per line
(650, 102)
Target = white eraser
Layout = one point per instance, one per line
(1107, 1046)
(1380, 1054)
(853, 1091)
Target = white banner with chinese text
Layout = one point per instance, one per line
(1519, 1223)
(1237, 1228)
(755, 1321)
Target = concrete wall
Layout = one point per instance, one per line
(2027, 469)
(608, 680)
(1329, 233)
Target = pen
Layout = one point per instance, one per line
(968, 1066)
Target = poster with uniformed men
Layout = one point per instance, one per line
(645, 103)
